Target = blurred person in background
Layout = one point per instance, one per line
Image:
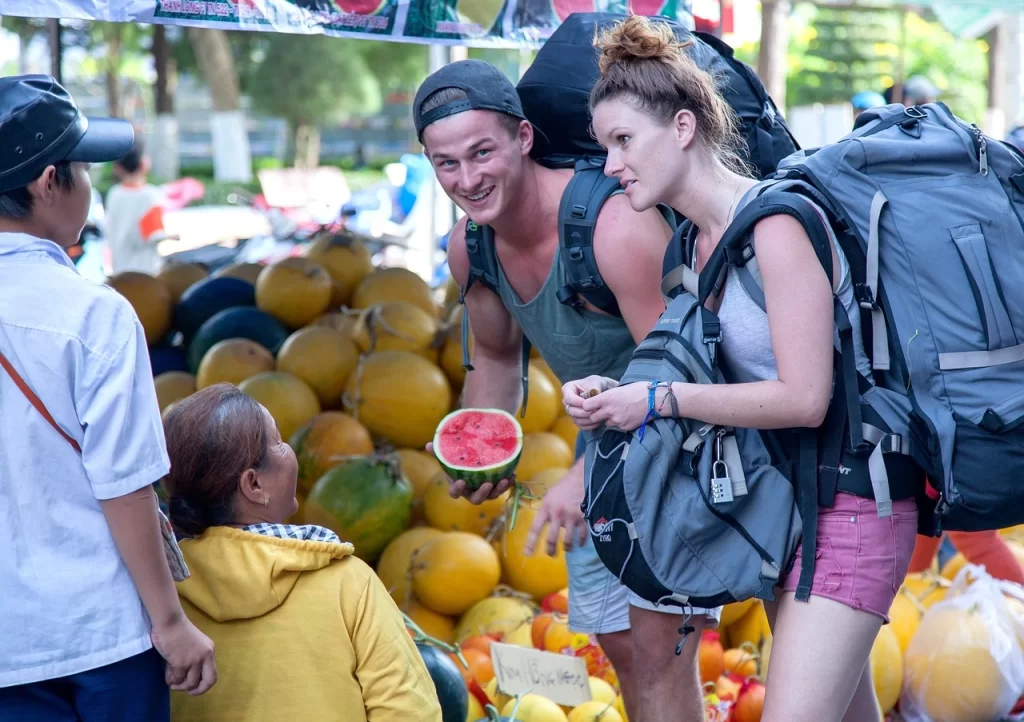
(134, 215)
(866, 100)
(917, 90)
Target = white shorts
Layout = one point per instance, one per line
(599, 603)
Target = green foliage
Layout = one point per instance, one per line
(831, 57)
(311, 80)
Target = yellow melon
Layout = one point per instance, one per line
(886, 668)
(150, 299)
(294, 290)
(543, 401)
(904, 618)
(177, 277)
(953, 566)
(347, 261)
(731, 613)
(541, 482)
(344, 321)
(521, 636)
(397, 326)
(288, 399)
(323, 358)
(534, 708)
(539, 574)
(476, 711)
(926, 587)
(950, 671)
(497, 697)
(400, 397)
(245, 271)
(595, 711)
(394, 567)
(173, 386)
(751, 628)
(419, 468)
(601, 691)
(443, 512)
(454, 572)
(394, 284)
(436, 625)
(232, 361)
(323, 441)
(497, 615)
(543, 366)
(565, 427)
(543, 450)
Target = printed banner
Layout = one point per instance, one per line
(474, 23)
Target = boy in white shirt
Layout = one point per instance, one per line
(134, 216)
(92, 629)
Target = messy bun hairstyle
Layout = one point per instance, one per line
(642, 61)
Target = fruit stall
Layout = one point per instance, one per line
(359, 365)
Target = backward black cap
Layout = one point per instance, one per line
(486, 88)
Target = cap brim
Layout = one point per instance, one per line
(106, 139)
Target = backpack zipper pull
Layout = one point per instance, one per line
(983, 154)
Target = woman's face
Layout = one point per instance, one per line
(643, 155)
(279, 474)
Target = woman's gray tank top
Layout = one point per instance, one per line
(746, 350)
(574, 342)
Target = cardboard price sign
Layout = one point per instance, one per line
(560, 678)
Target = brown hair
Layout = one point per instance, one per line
(450, 95)
(213, 437)
(643, 61)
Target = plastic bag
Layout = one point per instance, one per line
(965, 662)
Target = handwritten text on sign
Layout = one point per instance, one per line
(559, 677)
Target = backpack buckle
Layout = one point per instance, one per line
(576, 254)
(865, 298)
(915, 112)
(578, 211)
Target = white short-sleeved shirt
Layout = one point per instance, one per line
(67, 601)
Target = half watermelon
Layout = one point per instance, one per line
(478, 445)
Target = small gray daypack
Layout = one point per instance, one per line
(929, 212)
(686, 513)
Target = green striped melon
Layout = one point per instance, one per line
(365, 500)
(478, 445)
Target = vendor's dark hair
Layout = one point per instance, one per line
(213, 437)
(16, 205)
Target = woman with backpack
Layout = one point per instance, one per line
(671, 139)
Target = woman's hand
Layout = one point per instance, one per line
(188, 653)
(623, 407)
(575, 392)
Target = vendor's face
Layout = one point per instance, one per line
(279, 474)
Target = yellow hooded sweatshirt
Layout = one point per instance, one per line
(302, 630)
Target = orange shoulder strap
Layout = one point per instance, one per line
(20, 383)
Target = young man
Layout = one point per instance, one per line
(471, 123)
(92, 626)
(134, 218)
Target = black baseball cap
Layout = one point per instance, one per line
(486, 88)
(40, 125)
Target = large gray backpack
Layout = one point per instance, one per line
(686, 513)
(929, 212)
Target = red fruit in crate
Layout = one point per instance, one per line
(710, 657)
(749, 703)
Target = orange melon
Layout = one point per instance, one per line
(454, 572)
(435, 625)
(397, 326)
(177, 277)
(323, 441)
(543, 450)
(288, 399)
(394, 567)
(539, 574)
(173, 386)
(150, 299)
(420, 469)
(232, 361)
(294, 290)
(245, 271)
(401, 397)
(323, 358)
(443, 512)
(346, 260)
(394, 284)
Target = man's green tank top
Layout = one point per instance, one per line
(574, 342)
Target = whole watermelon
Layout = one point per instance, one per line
(201, 301)
(240, 322)
(167, 357)
(451, 688)
(366, 500)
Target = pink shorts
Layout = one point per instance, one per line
(861, 559)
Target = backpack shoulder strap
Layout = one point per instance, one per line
(581, 203)
(678, 275)
(483, 267)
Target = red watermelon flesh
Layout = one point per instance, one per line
(478, 445)
(360, 7)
